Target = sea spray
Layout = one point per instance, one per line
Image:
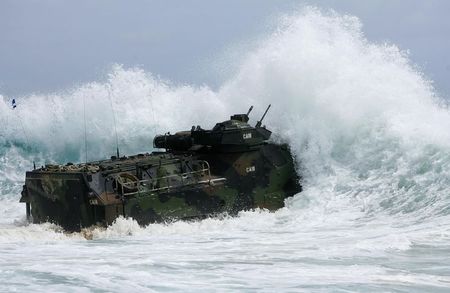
(370, 138)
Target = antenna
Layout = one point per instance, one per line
(115, 126)
(28, 141)
(260, 120)
(153, 111)
(24, 131)
(14, 106)
(85, 133)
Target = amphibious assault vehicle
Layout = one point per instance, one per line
(201, 173)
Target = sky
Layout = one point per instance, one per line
(52, 45)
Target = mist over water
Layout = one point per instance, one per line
(370, 137)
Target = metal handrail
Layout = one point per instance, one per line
(205, 171)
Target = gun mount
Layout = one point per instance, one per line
(234, 135)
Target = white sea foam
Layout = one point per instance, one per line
(369, 134)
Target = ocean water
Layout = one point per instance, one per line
(370, 136)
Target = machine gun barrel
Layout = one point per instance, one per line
(249, 110)
(177, 142)
(262, 118)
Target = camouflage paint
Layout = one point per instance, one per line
(203, 173)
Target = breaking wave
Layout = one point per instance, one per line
(370, 136)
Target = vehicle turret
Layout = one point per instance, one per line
(233, 135)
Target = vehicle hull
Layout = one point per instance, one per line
(202, 173)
